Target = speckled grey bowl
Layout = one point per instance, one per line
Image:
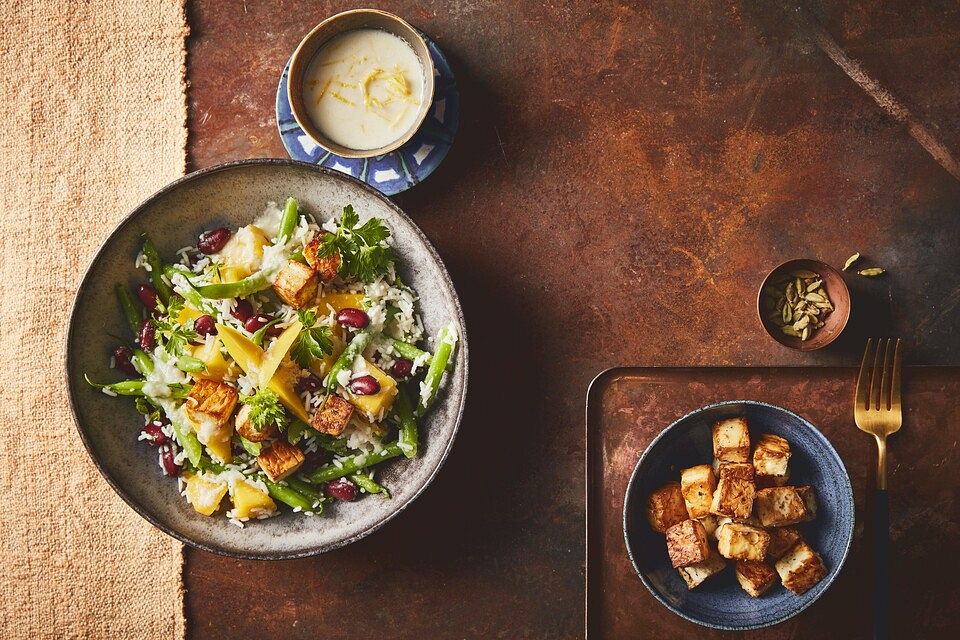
(720, 602)
(233, 195)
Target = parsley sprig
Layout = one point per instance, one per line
(364, 252)
(313, 341)
(173, 336)
(265, 410)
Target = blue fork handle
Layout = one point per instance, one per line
(881, 566)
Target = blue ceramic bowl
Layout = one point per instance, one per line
(720, 602)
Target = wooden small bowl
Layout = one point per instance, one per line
(834, 323)
(323, 33)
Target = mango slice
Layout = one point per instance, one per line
(250, 357)
(249, 501)
(377, 405)
(204, 495)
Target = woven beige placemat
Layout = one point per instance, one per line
(92, 120)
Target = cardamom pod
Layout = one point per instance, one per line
(872, 272)
(852, 259)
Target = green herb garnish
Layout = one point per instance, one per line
(364, 252)
(265, 410)
(313, 341)
(174, 336)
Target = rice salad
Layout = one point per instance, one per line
(279, 363)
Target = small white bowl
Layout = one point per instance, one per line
(323, 33)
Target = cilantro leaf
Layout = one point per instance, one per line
(364, 252)
(313, 341)
(265, 410)
(172, 335)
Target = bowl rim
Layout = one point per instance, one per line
(804, 346)
(71, 328)
(631, 486)
(303, 120)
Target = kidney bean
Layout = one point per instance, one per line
(256, 322)
(148, 335)
(401, 368)
(214, 240)
(155, 434)
(364, 386)
(148, 297)
(170, 467)
(341, 489)
(205, 325)
(243, 311)
(351, 317)
(309, 382)
(274, 330)
(123, 361)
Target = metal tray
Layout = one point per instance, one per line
(627, 407)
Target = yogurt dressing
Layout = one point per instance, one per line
(364, 88)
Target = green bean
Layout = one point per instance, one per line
(152, 257)
(135, 388)
(130, 309)
(239, 289)
(368, 484)
(446, 341)
(410, 352)
(142, 361)
(299, 257)
(354, 349)
(288, 221)
(189, 443)
(253, 448)
(408, 439)
(191, 294)
(318, 497)
(289, 496)
(351, 465)
(190, 364)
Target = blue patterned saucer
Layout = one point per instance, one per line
(398, 170)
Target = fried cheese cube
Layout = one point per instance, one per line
(801, 568)
(755, 576)
(211, 402)
(665, 507)
(709, 523)
(697, 485)
(731, 440)
(325, 267)
(695, 574)
(782, 540)
(809, 497)
(779, 506)
(246, 428)
(296, 284)
(280, 459)
(733, 498)
(736, 471)
(742, 542)
(333, 416)
(771, 458)
(687, 543)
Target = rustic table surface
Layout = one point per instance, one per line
(623, 178)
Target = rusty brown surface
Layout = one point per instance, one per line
(624, 175)
(629, 407)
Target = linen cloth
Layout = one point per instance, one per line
(93, 117)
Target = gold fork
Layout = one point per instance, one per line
(877, 411)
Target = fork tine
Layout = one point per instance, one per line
(873, 402)
(895, 383)
(884, 398)
(863, 381)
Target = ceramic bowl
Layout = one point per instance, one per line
(323, 33)
(719, 602)
(836, 289)
(232, 195)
